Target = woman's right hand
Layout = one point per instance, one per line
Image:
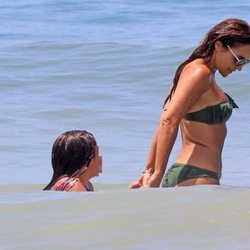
(142, 181)
(137, 184)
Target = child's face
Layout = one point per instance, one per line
(97, 162)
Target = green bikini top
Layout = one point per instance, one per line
(213, 114)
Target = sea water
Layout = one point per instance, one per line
(106, 66)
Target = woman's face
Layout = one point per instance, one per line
(230, 59)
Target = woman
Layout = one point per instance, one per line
(75, 160)
(200, 108)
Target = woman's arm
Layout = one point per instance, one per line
(149, 169)
(166, 136)
(150, 165)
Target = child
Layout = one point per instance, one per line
(75, 160)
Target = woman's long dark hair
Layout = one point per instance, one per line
(228, 32)
(70, 152)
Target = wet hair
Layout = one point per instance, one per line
(70, 152)
(230, 32)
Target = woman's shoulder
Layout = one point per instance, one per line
(199, 68)
(198, 74)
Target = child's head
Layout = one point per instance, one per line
(71, 151)
(75, 153)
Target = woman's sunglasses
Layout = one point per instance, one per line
(239, 62)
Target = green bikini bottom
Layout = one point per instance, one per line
(181, 172)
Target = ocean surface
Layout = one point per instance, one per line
(106, 66)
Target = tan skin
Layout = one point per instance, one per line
(93, 169)
(202, 144)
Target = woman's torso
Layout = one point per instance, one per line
(202, 143)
